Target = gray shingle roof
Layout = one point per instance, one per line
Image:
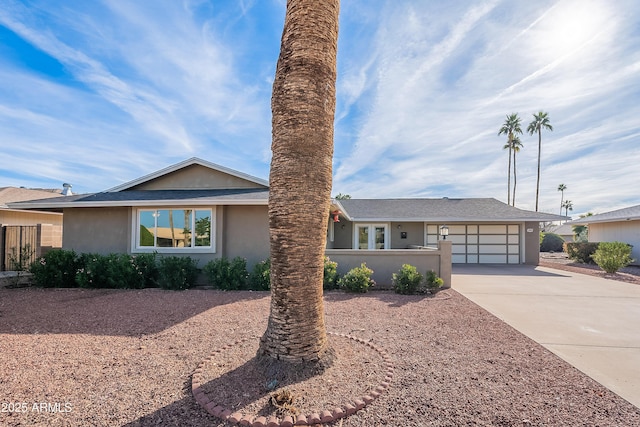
(438, 210)
(625, 214)
(151, 197)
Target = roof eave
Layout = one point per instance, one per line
(143, 203)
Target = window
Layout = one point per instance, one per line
(174, 229)
(371, 236)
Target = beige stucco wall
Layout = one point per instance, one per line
(386, 262)
(99, 230)
(19, 217)
(196, 177)
(246, 233)
(623, 231)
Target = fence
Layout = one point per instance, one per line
(25, 243)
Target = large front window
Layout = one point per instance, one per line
(174, 228)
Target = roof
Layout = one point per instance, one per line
(253, 196)
(183, 164)
(565, 229)
(625, 214)
(437, 210)
(15, 194)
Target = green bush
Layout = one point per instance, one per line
(56, 269)
(434, 283)
(260, 277)
(612, 256)
(551, 242)
(358, 279)
(147, 266)
(113, 271)
(227, 275)
(581, 251)
(407, 280)
(330, 277)
(177, 273)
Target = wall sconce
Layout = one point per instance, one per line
(399, 226)
(342, 226)
(444, 232)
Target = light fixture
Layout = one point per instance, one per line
(444, 232)
(399, 226)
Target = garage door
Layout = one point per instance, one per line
(481, 243)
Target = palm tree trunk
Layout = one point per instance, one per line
(513, 200)
(509, 177)
(303, 109)
(538, 180)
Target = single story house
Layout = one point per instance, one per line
(563, 230)
(622, 225)
(204, 210)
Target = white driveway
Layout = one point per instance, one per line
(592, 323)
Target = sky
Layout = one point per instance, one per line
(99, 93)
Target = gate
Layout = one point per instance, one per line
(23, 244)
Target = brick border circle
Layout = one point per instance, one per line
(323, 416)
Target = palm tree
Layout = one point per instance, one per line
(516, 145)
(540, 121)
(511, 127)
(568, 206)
(303, 109)
(561, 188)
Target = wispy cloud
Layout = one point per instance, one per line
(100, 93)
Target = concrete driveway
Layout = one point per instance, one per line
(592, 323)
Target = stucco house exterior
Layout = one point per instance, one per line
(622, 225)
(206, 211)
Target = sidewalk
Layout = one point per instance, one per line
(590, 322)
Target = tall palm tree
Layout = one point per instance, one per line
(511, 127)
(568, 206)
(561, 188)
(516, 146)
(303, 109)
(540, 121)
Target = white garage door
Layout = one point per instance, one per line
(481, 243)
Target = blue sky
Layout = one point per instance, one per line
(99, 93)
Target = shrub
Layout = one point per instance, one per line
(147, 265)
(177, 273)
(330, 278)
(225, 274)
(581, 251)
(113, 271)
(358, 279)
(612, 256)
(434, 283)
(260, 277)
(551, 242)
(56, 269)
(407, 280)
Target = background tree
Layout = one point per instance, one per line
(511, 127)
(303, 109)
(581, 232)
(568, 206)
(341, 196)
(561, 188)
(540, 121)
(516, 145)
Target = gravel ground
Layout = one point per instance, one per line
(75, 357)
(560, 260)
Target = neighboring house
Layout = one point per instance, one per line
(564, 230)
(207, 211)
(33, 231)
(622, 225)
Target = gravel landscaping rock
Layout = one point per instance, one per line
(74, 357)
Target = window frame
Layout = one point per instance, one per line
(371, 233)
(135, 235)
